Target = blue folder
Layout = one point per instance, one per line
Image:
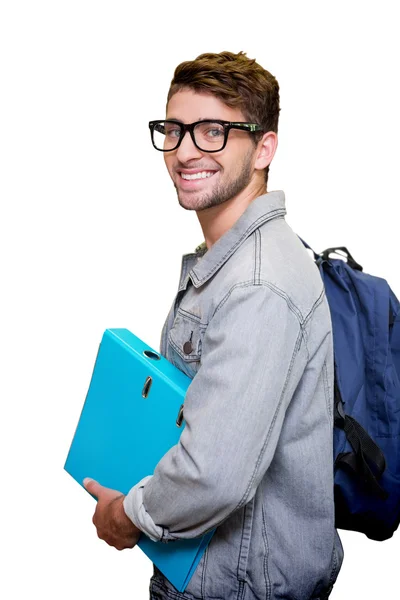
(132, 415)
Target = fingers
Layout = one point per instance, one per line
(92, 486)
(118, 544)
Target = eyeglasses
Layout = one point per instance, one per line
(207, 135)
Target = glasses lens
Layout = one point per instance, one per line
(209, 135)
(166, 135)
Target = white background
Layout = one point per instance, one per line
(92, 234)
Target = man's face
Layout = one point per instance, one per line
(232, 168)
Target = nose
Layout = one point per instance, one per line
(187, 150)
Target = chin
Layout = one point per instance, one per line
(187, 203)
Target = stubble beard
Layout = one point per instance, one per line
(223, 191)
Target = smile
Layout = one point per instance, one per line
(199, 175)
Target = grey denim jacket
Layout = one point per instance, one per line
(255, 459)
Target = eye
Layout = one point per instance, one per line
(214, 132)
(172, 131)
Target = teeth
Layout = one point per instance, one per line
(200, 175)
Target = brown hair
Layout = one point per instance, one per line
(238, 81)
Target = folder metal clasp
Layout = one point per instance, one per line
(146, 387)
(180, 416)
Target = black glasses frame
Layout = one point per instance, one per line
(228, 125)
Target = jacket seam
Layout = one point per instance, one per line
(257, 256)
(314, 306)
(266, 555)
(248, 517)
(294, 354)
(292, 307)
(263, 283)
(240, 550)
(191, 316)
(334, 566)
(203, 574)
(327, 389)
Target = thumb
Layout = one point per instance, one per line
(92, 486)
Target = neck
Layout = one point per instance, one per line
(216, 220)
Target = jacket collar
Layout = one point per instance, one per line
(262, 209)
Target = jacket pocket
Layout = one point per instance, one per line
(185, 342)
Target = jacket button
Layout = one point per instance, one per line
(187, 347)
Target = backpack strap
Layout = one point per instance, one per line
(365, 451)
(316, 256)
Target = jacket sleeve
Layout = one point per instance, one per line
(253, 357)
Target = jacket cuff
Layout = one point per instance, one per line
(135, 510)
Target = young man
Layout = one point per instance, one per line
(251, 325)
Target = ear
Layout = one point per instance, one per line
(266, 149)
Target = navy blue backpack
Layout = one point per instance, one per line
(365, 317)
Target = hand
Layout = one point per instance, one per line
(112, 523)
